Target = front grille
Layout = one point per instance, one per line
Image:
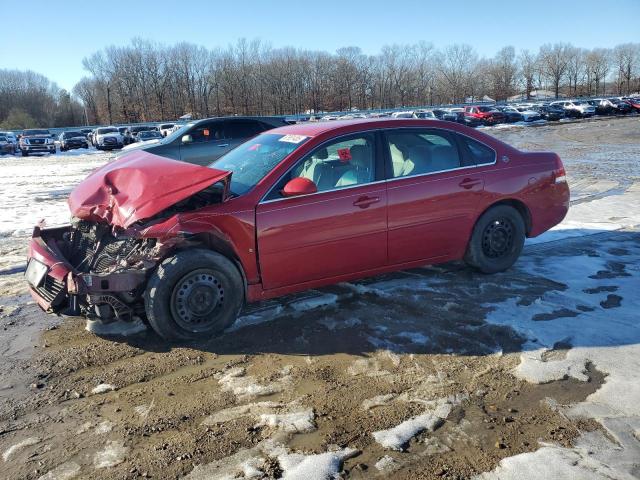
(110, 140)
(36, 141)
(51, 290)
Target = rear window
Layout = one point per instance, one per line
(479, 152)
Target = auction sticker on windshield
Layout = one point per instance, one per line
(293, 138)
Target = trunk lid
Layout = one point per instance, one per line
(138, 186)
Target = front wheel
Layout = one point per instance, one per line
(193, 295)
(497, 240)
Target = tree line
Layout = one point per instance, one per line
(146, 81)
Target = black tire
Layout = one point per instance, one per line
(25, 154)
(497, 240)
(194, 294)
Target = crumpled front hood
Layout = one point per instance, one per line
(138, 186)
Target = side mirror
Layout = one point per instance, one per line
(187, 139)
(299, 186)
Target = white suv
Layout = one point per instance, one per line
(576, 108)
(108, 138)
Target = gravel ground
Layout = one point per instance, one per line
(436, 372)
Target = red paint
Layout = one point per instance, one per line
(138, 186)
(306, 241)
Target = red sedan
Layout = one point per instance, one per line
(298, 207)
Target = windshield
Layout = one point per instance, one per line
(36, 132)
(166, 125)
(252, 160)
(178, 133)
(149, 134)
(102, 131)
(3, 139)
(72, 134)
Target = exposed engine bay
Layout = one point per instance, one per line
(93, 249)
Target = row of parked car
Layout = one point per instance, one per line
(482, 115)
(221, 131)
(41, 140)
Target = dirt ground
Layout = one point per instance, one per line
(317, 372)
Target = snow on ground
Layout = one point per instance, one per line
(37, 187)
(596, 315)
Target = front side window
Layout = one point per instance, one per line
(208, 132)
(417, 153)
(340, 164)
(254, 159)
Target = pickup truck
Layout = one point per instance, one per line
(36, 141)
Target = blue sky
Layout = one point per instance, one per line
(57, 35)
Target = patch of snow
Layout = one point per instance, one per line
(397, 437)
(27, 442)
(550, 462)
(233, 413)
(336, 324)
(104, 427)
(386, 464)
(378, 401)
(119, 328)
(113, 454)
(314, 302)
(297, 466)
(103, 388)
(144, 410)
(235, 380)
(65, 471)
(602, 334)
(295, 422)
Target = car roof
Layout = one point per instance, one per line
(313, 129)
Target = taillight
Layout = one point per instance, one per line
(559, 172)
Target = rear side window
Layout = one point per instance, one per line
(419, 152)
(244, 129)
(480, 154)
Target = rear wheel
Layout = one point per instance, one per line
(497, 240)
(193, 295)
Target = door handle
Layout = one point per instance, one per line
(222, 145)
(364, 202)
(470, 183)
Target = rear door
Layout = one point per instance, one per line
(434, 192)
(340, 230)
(209, 141)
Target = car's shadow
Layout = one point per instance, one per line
(570, 286)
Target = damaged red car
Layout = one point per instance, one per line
(302, 206)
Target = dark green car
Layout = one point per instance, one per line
(203, 141)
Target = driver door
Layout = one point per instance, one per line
(338, 231)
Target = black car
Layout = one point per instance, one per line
(552, 112)
(204, 141)
(622, 108)
(146, 135)
(71, 140)
(140, 128)
(511, 114)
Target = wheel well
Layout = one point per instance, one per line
(519, 206)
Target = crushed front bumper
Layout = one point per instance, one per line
(58, 287)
